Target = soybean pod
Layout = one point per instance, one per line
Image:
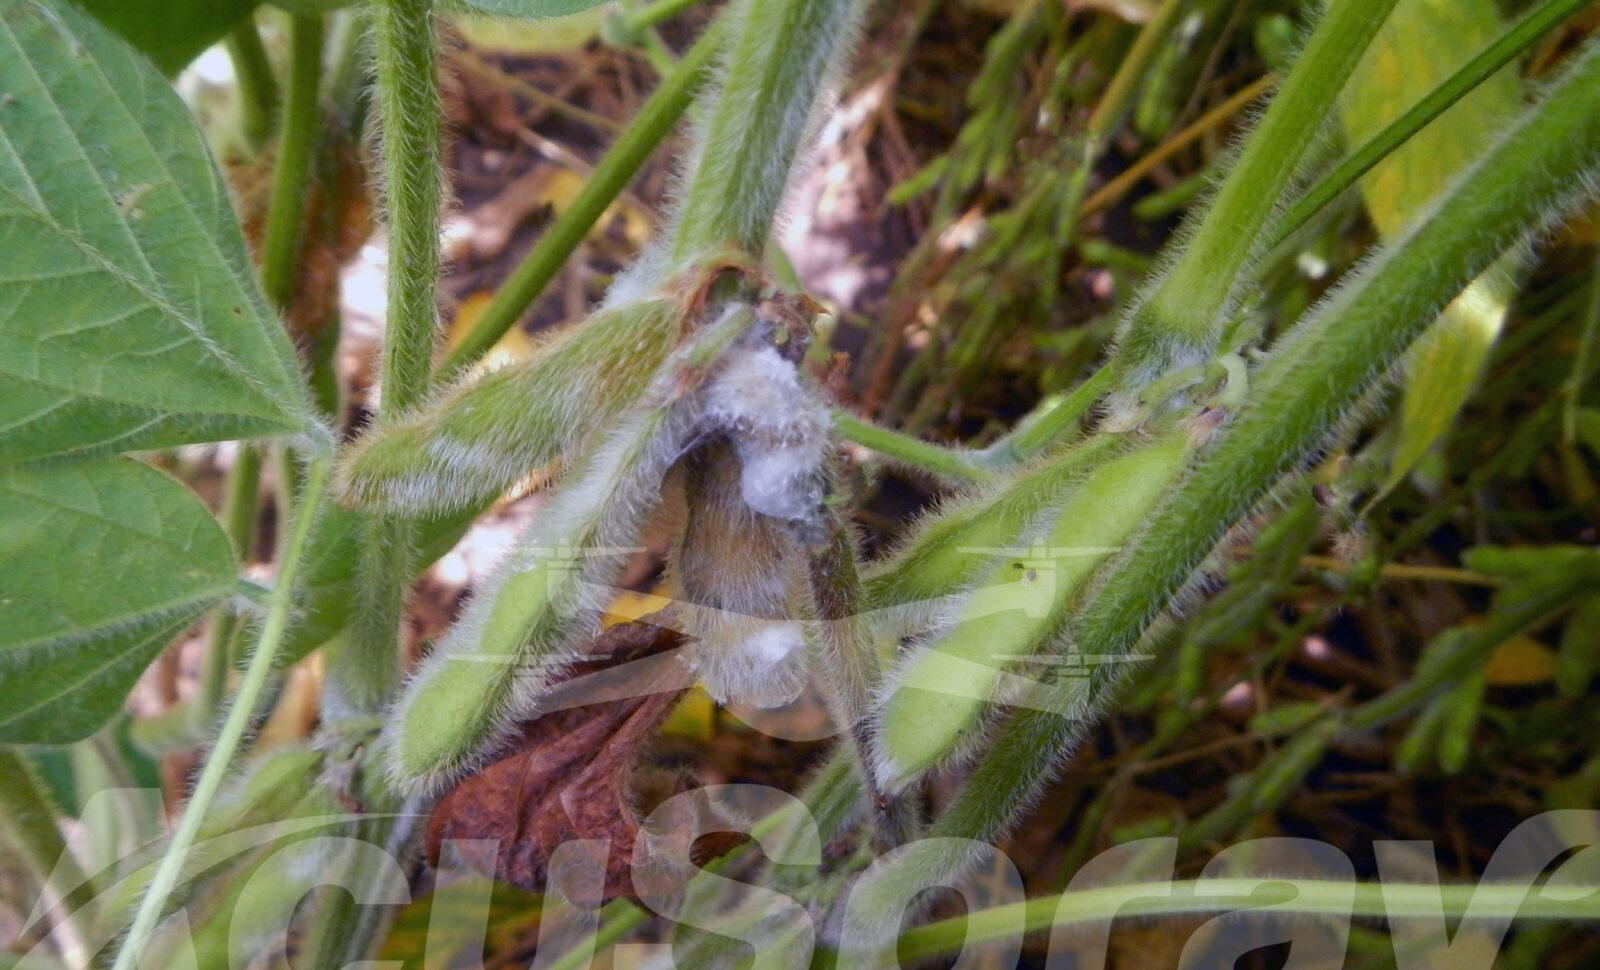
(482, 436)
(518, 633)
(940, 693)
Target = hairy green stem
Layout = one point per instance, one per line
(279, 613)
(28, 817)
(258, 89)
(654, 120)
(291, 173)
(1182, 319)
(949, 464)
(780, 56)
(1325, 897)
(1038, 432)
(408, 97)
(1359, 162)
(1301, 395)
(1045, 426)
(362, 673)
(239, 522)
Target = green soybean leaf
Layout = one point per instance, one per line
(537, 9)
(1421, 45)
(101, 564)
(171, 32)
(129, 316)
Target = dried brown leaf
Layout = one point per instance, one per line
(576, 774)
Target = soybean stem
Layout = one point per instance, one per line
(1503, 51)
(258, 89)
(363, 671)
(408, 93)
(279, 612)
(1184, 316)
(291, 173)
(1046, 425)
(937, 460)
(654, 120)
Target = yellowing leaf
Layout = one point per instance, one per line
(694, 717)
(516, 36)
(1520, 662)
(514, 346)
(1421, 44)
(630, 606)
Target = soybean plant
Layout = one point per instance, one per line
(980, 648)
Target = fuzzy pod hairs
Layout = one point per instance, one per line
(738, 572)
(519, 631)
(938, 695)
(482, 436)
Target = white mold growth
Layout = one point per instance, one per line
(736, 575)
(779, 429)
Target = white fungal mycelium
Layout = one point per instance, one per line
(779, 429)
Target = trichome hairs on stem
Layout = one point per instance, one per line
(410, 114)
(743, 152)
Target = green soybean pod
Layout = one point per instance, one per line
(940, 558)
(940, 694)
(484, 435)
